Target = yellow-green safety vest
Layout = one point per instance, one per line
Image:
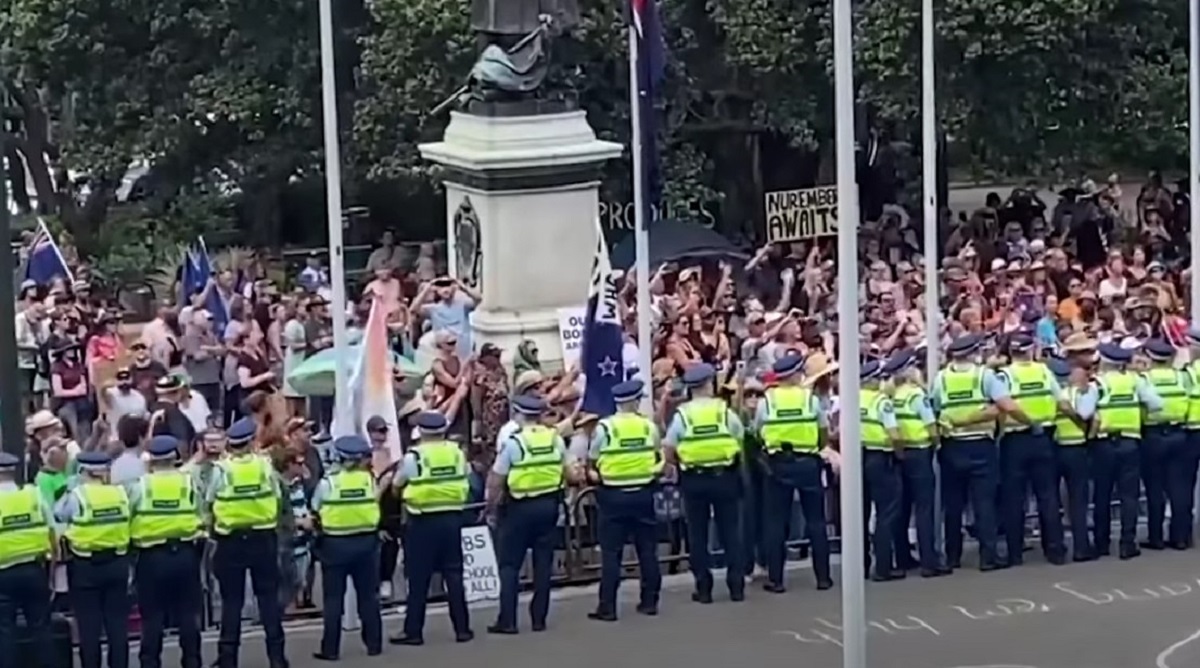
(540, 469)
(1193, 412)
(628, 458)
(351, 507)
(790, 419)
(441, 484)
(24, 534)
(874, 436)
(102, 523)
(707, 441)
(914, 433)
(167, 510)
(1170, 385)
(1030, 387)
(1118, 411)
(249, 500)
(961, 394)
(1066, 432)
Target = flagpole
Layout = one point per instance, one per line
(854, 620)
(929, 165)
(337, 271)
(1194, 149)
(641, 233)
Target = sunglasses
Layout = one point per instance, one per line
(381, 430)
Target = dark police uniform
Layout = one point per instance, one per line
(1164, 457)
(167, 534)
(532, 464)
(625, 456)
(348, 547)
(245, 496)
(24, 553)
(1072, 461)
(435, 492)
(97, 516)
(881, 471)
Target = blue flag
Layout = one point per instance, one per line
(202, 272)
(603, 338)
(45, 259)
(651, 70)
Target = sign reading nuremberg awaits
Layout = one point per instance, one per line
(795, 215)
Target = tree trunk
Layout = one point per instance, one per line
(18, 187)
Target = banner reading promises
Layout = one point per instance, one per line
(795, 215)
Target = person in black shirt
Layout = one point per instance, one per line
(168, 419)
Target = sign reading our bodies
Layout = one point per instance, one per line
(796, 215)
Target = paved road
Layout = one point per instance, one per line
(1110, 614)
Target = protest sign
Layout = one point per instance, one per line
(481, 573)
(796, 215)
(570, 333)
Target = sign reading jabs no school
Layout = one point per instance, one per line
(795, 215)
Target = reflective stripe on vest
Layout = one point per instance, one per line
(874, 436)
(441, 484)
(961, 395)
(102, 522)
(1118, 411)
(540, 469)
(1066, 432)
(166, 510)
(1029, 385)
(1193, 413)
(707, 441)
(913, 431)
(628, 458)
(24, 534)
(351, 507)
(248, 501)
(1169, 384)
(790, 419)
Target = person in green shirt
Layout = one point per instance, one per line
(51, 480)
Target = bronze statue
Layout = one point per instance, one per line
(515, 39)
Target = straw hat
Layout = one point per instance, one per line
(412, 406)
(41, 420)
(1079, 342)
(817, 366)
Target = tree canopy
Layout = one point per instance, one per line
(222, 98)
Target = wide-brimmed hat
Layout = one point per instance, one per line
(1079, 342)
(41, 420)
(817, 366)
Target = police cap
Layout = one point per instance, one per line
(870, 370)
(529, 404)
(9, 461)
(1059, 367)
(94, 460)
(240, 433)
(699, 375)
(163, 446)
(432, 422)
(630, 390)
(1159, 350)
(965, 345)
(352, 447)
(898, 362)
(1114, 353)
(788, 365)
(1020, 342)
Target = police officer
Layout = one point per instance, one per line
(1189, 463)
(167, 532)
(1163, 456)
(97, 517)
(433, 480)
(532, 466)
(917, 427)
(794, 428)
(967, 398)
(245, 496)
(1071, 454)
(27, 547)
(347, 507)
(882, 446)
(705, 438)
(1114, 448)
(626, 462)
(1027, 453)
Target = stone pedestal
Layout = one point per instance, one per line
(522, 195)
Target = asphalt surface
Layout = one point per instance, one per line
(1143, 613)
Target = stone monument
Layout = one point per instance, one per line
(521, 168)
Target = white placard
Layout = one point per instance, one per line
(481, 573)
(570, 333)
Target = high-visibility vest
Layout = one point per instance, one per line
(24, 534)
(960, 395)
(1066, 432)
(1169, 384)
(249, 500)
(102, 523)
(1031, 388)
(167, 509)
(540, 470)
(1193, 412)
(914, 433)
(790, 419)
(1119, 412)
(441, 484)
(351, 507)
(873, 436)
(628, 458)
(707, 441)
